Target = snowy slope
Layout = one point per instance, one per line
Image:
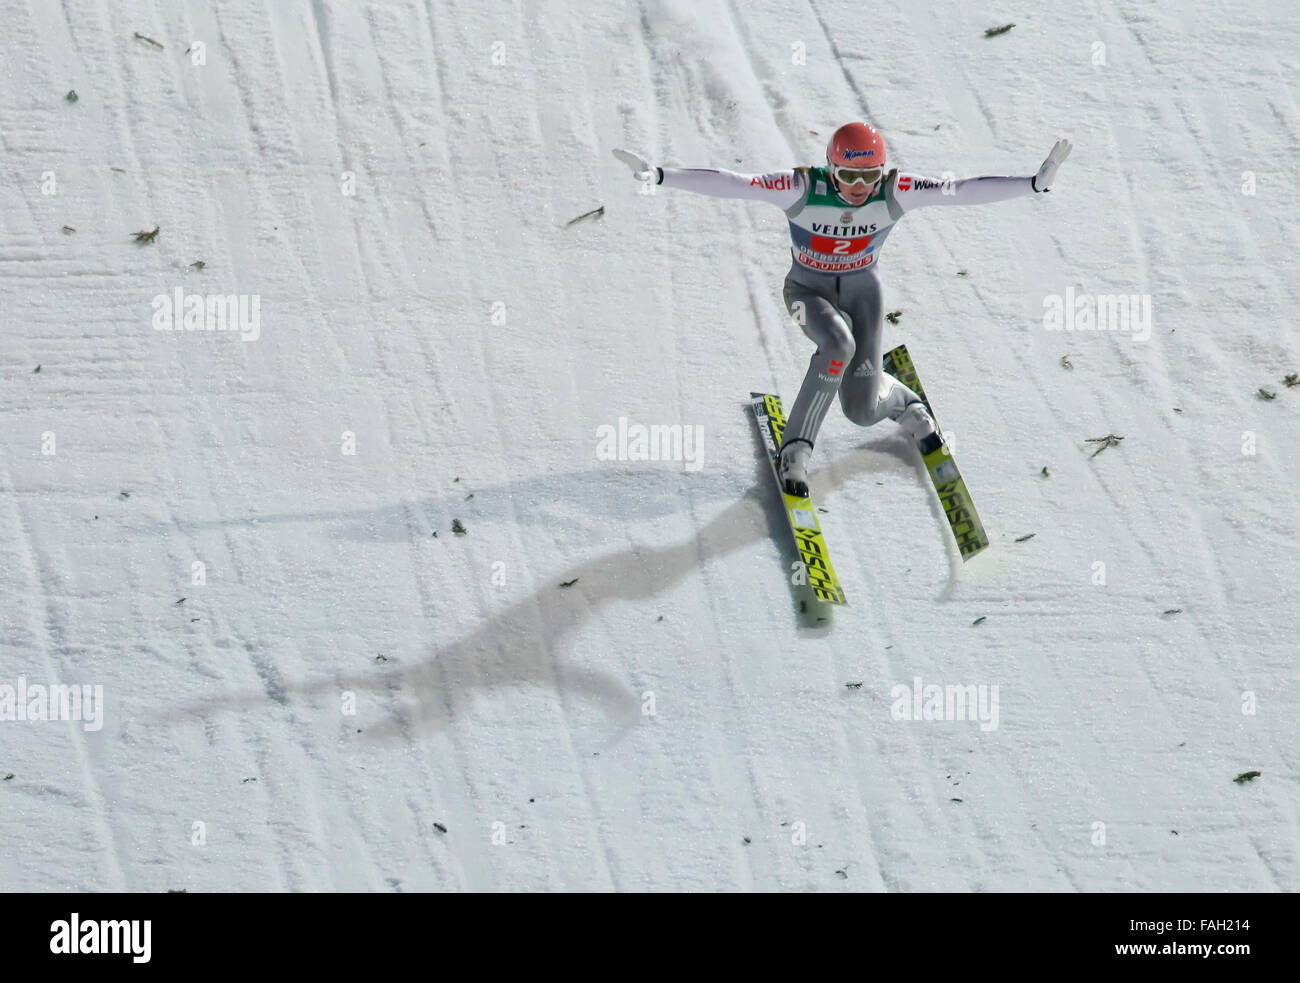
(471, 343)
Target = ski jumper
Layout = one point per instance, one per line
(831, 290)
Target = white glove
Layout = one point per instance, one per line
(1042, 181)
(642, 169)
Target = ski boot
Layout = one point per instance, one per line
(907, 409)
(792, 467)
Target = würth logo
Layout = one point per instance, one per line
(835, 367)
(907, 183)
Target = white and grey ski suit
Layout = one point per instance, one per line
(832, 290)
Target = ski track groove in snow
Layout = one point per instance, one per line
(50, 639)
(1243, 245)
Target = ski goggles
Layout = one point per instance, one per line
(855, 175)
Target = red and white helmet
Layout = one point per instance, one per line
(856, 155)
(856, 145)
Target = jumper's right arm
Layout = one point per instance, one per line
(780, 188)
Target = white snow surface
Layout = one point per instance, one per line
(345, 679)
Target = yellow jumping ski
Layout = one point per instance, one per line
(948, 482)
(799, 512)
